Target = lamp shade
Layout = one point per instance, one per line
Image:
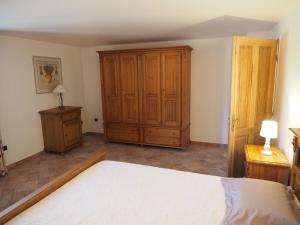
(269, 129)
(59, 89)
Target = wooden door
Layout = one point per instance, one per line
(151, 89)
(111, 86)
(129, 87)
(254, 62)
(171, 88)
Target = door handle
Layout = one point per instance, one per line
(233, 123)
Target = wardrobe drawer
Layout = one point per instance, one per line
(123, 133)
(70, 115)
(156, 140)
(163, 132)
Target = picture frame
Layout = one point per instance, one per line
(47, 73)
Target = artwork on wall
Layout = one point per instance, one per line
(47, 73)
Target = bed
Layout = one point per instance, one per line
(104, 192)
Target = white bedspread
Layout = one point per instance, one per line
(115, 193)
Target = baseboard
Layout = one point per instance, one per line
(208, 144)
(94, 133)
(10, 166)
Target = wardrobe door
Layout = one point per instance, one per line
(171, 88)
(254, 62)
(112, 91)
(151, 89)
(129, 87)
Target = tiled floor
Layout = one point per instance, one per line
(32, 174)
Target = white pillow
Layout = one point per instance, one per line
(258, 202)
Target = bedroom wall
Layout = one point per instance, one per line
(19, 104)
(287, 107)
(210, 91)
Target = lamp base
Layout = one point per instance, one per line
(266, 152)
(61, 101)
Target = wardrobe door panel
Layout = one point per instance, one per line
(112, 96)
(129, 87)
(171, 88)
(151, 89)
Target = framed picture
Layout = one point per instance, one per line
(47, 73)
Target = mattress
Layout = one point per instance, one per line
(117, 193)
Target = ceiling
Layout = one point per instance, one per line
(96, 22)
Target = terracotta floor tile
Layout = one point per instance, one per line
(36, 172)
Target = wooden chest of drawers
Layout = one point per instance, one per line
(274, 167)
(61, 128)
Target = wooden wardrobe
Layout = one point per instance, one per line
(146, 95)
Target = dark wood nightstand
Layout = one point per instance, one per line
(61, 128)
(274, 167)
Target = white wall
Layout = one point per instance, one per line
(19, 104)
(210, 91)
(287, 99)
(287, 105)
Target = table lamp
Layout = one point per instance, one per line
(268, 130)
(60, 90)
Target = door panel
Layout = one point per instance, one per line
(72, 132)
(240, 141)
(129, 87)
(254, 62)
(264, 84)
(151, 88)
(171, 88)
(243, 93)
(112, 90)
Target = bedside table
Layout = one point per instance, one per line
(61, 128)
(274, 167)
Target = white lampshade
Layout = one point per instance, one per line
(269, 129)
(59, 89)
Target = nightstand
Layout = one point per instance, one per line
(61, 128)
(275, 167)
